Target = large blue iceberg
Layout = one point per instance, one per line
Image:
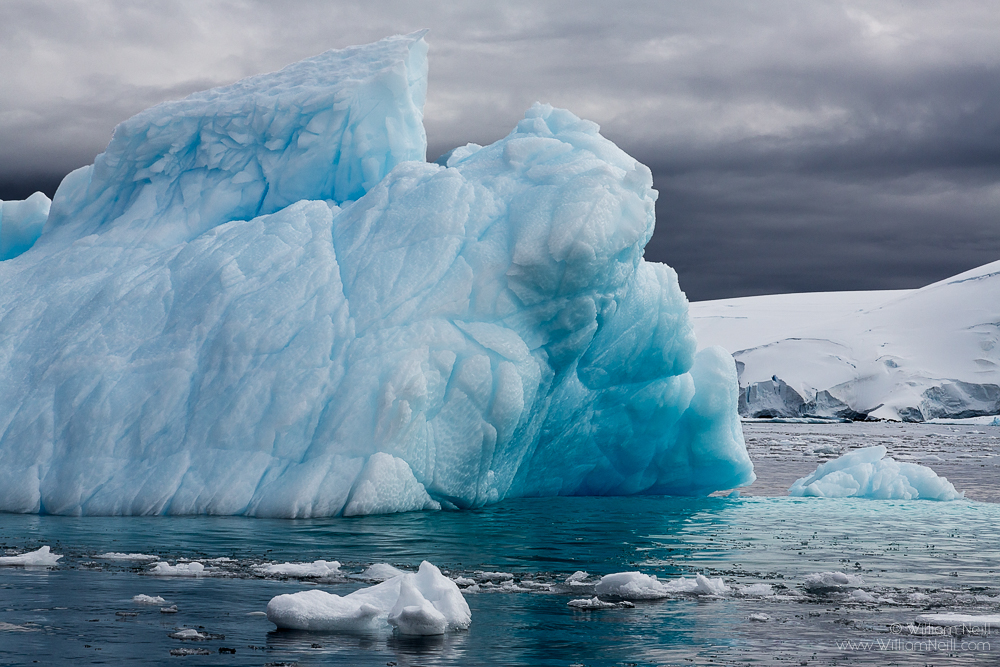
(262, 300)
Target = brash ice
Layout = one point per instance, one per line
(262, 300)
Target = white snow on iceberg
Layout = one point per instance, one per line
(869, 473)
(261, 300)
(424, 603)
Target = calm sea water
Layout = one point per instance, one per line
(82, 611)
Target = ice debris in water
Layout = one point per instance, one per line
(757, 590)
(971, 622)
(596, 603)
(289, 313)
(869, 473)
(39, 557)
(148, 599)
(858, 595)
(829, 582)
(638, 586)
(421, 603)
(381, 572)
(316, 569)
(163, 569)
(115, 555)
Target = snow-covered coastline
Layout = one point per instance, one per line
(908, 355)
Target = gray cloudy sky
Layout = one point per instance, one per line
(797, 146)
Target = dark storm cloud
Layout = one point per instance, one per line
(796, 146)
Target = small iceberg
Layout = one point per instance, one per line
(148, 599)
(639, 586)
(38, 558)
(869, 473)
(595, 603)
(163, 569)
(319, 569)
(832, 582)
(425, 603)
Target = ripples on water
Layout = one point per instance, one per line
(82, 613)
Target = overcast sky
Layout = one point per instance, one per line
(797, 146)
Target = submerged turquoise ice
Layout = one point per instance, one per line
(262, 300)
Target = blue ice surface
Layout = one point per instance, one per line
(261, 300)
(869, 473)
(21, 224)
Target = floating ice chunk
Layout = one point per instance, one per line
(973, 623)
(382, 572)
(638, 586)
(494, 576)
(632, 586)
(869, 473)
(596, 603)
(316, 569)
(38, 558)
(172, 609)
(829, 582)
(114, 555)
(181, 652)
(413, 603)
(188, 634)
(163, 569)
(12, 627)
(148, 599)
(577, 578)
(757, 590)
(464, 581)
(858, 595)
(759, 618)
(21, 224)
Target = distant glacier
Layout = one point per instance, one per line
(262, 300)
(906, 355)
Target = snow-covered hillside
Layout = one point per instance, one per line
(909, 354)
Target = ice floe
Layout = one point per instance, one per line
(639, 586)
(953, 619)
(38, 558)
(148, 599)
(832, 582)
(425, 602)
(317, 569)
(595, 603)
(164, 569)
(869, 473)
